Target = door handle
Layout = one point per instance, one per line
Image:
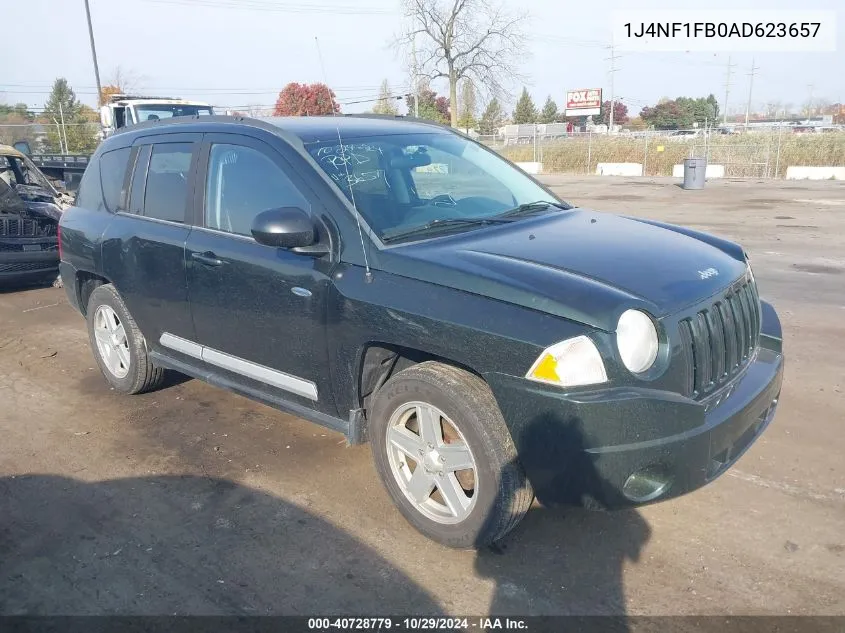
(208, 258)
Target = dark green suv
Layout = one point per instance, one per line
(399, 283)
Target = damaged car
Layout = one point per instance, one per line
(30, 209)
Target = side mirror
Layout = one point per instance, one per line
(285, 227)
(106, 116)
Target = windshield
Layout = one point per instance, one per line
(405, 181)
(15, 170)
(154, 112)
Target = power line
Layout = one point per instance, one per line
(254, 5)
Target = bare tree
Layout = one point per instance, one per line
(126, 80)
(257, 111)
(773, 109)
(473, 39)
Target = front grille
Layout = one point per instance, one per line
(718, 341)
(17, 247)
(14, 227)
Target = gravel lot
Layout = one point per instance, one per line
(192, 500)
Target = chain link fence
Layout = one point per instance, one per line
(757, 153)
(761, 152)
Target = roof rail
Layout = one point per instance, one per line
(123, 97)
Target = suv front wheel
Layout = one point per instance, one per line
(118, 345)
(444, 453)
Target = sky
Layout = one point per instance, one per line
(235, 53)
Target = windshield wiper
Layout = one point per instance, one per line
(530, 207)
(442, 223)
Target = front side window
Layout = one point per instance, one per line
(243, 182)
(166, 194)
(402, 181)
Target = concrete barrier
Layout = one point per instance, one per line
(619, 169)
(712, 171)
(815, 173)
(530, 168)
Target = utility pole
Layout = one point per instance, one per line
(59, 130)
(63, 130)
(727, 90)
(613, 57)
(810, 100)
(415, 78)
(750, 88)
(93, 52)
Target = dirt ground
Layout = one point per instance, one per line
(192, 500)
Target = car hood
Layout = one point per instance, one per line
(580, 264)
(29, 201)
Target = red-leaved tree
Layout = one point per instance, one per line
(620, 113)
(305, 100)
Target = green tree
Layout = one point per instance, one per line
(73, 119)
(468, 106)
(14, 124)
(386, 103)
(681, 113)
(525, 111)
(549, 112)
(491, 120)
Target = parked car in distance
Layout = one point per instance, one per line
(686, 135)
(397, 282)
(30, 208)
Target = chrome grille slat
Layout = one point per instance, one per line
(702, 353)
(717, 344)
(688, 355)
(718, 341)
(733, 302)
(730, 337)
(13, 227)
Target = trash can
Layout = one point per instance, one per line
(694, 171)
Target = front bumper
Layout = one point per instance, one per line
(21, 265)
(584, 448)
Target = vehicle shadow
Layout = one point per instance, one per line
(565, 559)
(37, 284)
(183, 545)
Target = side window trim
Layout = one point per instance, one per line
(142, 160)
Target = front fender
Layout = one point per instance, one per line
(726, 246)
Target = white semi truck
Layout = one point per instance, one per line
(121, 111)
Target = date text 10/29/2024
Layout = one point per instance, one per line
(417, 624)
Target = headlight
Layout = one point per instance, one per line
(570, 363)
(636, 338)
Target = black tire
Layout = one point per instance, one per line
(142, 375)
(505, 493)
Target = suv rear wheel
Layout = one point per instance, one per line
(118, 345)
(444, 454)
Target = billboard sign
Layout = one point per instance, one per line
(585, 102)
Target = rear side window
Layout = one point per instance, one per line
(167, 181)
(112, 176)
(90, 193)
